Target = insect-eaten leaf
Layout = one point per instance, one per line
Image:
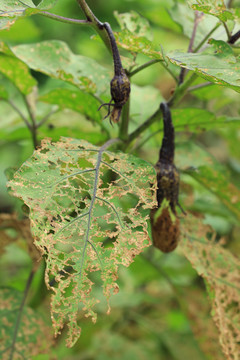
(24, 334)
(89, 210)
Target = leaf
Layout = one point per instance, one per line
(47, 4)
(217, 182)
(3, 92)
(198, 120)
(83, 221)
(135, 23)
(185, 17)
(221, 270)
(33, 336)
(135, 42)
(55, 59)
(217, 9)
(224, 71)
(11, 10)
(15, 70)
(74, 100)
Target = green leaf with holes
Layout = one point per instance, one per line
(15, 70)
(89, 209)
(55, 59)
(23, 331)
(11, 10)
(136, 35)
(217, 9)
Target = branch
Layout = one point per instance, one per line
(95, 23)
(206, 37)
(234, 38)
(177, 96)
(190, 47)
(33, 128)
(20, 113)
(227, 31)
(63, 19)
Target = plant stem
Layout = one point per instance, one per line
(64, 19)
(33, 128)
(177, 96)
(181, 90)
(20, 113)
(199, 86)
(20, 312)
(234, 37)
(190, 46)
(123, 129)
(206, 37)
(156, 116)
(142, 67)
(227, 31)
(95, 23)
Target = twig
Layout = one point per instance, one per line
(206, 37)
(177, 96)
(20, 313)
(234, 38)
(190, 46)
(199, 86)
(33, 128)
(142, 67)
(63, 19)
(227, 31)
(20, 113)
(46, 117)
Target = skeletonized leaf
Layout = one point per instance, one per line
(15, 70)
(23, 332)
(89, 209)
(221, 270)
(55, 59)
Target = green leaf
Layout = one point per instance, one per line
(136, 24)
(47, 4)
(184, 16)
(55, 59)
(89, 210)
(25, 339)
(15, 70)
(198, 120)
(3, 92)
(222, 69)
(217, 9)
(218, 183)
(11, 10)
(74, 100)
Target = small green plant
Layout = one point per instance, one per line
(89, 195)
